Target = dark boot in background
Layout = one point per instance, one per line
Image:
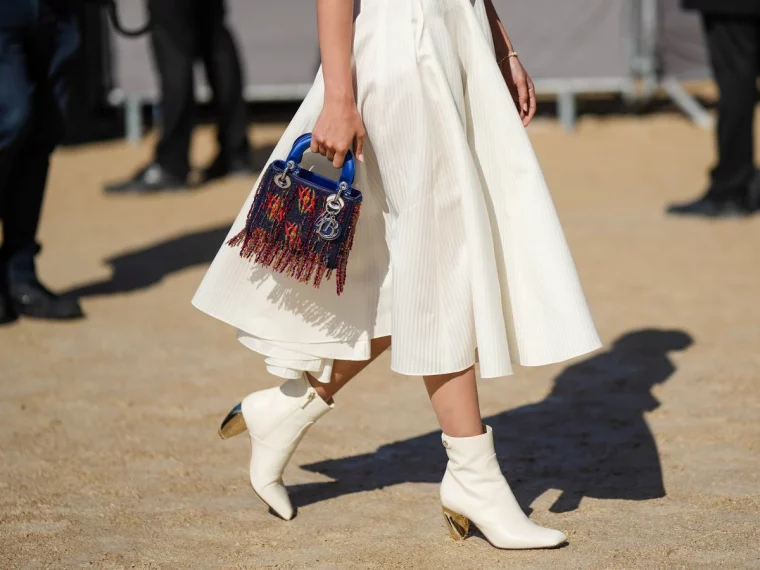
(31, 298)
(710, 206)
(7, 314)
(753, 193)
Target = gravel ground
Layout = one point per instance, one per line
(645, 453)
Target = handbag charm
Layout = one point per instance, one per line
(302, 224)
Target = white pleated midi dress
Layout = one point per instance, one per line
(459, 255)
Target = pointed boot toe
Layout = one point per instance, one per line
(276, 496)
(554, 538)
(512, 534)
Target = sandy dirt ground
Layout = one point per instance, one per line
(646, 453)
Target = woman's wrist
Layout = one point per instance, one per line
(339, 95)
(339, 84)
(507, 58)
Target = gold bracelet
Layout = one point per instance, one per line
(508, 56)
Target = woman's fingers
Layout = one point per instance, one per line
(515, 97)
(338, 159)
(532, 104)
(359, 146)
(335, 141)
(317, 143)
(523, 98)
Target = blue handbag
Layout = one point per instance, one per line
(302, 224)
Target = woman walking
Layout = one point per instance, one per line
(458, 254)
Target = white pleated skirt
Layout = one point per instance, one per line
(458, 255)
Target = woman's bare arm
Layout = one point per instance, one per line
(339, 126)
(517, 79)
(501, 41)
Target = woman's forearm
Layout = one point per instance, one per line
(335, 21)
(502, 43)
(339, 127)
(518, 81)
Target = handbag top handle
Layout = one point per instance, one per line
(302, 144)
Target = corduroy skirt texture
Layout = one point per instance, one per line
(459, 254)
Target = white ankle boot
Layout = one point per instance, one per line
(276, 419)
(475, 490)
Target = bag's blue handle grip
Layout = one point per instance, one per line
(303, 143)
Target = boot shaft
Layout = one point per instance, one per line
(464, 452)
(277, 415)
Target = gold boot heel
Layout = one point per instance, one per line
(459, 526)
(233, 424)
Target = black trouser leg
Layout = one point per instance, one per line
(734, 45)
(220, 58)
(23, 207)
(33, 99)
(174, 42)
(16, 116)
(35, 55)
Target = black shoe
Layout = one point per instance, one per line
(152, 178)
(33, 299)
(753, 193)
(712, 208)
(238, 165)
(7, 314)
(28, 297)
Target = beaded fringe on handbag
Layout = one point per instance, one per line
(302, 224)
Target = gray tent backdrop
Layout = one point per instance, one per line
(569, 48)
(681, 42)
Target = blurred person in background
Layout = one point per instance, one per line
(183, 31)
(733, 39)
(37, 41)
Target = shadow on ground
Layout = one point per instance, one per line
(143, 268)
(587, 438)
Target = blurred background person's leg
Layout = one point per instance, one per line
(15, 114)
(184, 31)
(174, 44)
(734, 44)
(223, 70)
(34, 94)
(174, 41)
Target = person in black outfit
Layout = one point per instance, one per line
(183, 31)
(733, 38)
(37, 41)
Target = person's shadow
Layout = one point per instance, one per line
(587, 438)
(145, 267)
(142, 268)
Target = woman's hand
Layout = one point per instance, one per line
(521, 87)
(339, 126)
(338, 129)
(518, 81)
